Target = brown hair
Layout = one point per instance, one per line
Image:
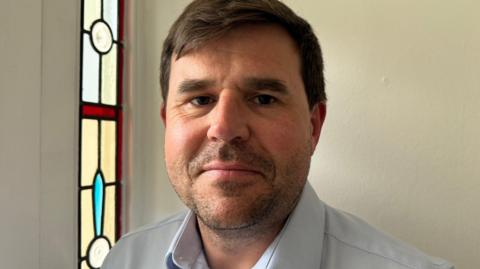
(204, 20)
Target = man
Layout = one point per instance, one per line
(244, 104)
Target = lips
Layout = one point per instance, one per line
(230, 169)
(231, 162)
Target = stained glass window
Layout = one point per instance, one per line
(100, 148)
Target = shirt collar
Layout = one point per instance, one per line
(186, 246)
(301, 240)
(299, 244)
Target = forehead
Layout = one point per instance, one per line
(249, 50)
(248, 36)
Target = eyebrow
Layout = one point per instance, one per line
(271, 84)
(193, 85)
(250, 84)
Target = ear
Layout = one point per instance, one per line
(163, 113)
(317, 117)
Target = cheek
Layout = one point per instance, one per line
(285, 137)
(289, 144)
(181, 142)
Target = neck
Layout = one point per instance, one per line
(244, 246)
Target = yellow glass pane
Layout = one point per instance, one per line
(84, 265)
(109, 221)
(89, 150)
(108, 148)
(86, 220)
(109, 77)
(92, 10)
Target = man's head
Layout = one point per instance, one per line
(205, 20)
(240, 125)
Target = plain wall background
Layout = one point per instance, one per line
(400, 146)
(38, 142)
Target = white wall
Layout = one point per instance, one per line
(400, 146)
(149, 194)
(404, 126)
(38, 93)
(20, 77)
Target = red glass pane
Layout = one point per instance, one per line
(102, 112)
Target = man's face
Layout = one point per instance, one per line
(239, 133)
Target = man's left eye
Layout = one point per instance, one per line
(264, 99)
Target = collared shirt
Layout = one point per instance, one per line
(314, 236)
(186, 248)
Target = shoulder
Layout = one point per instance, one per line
(145, 247)
(351, 242)
(164, 226)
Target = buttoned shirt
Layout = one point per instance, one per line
(314, 236)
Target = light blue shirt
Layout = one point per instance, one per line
(315, 236)
(186, 248)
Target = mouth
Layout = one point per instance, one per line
(230, 170)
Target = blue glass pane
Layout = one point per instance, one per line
(90, 71)
(98, 193)
(110, 15)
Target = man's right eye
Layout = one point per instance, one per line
(201, 100)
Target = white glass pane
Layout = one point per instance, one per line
(109, 77)
(98, 251)
(110, 15)
(102, 38)
(90, 71)
(92, 10)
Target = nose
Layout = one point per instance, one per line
(228, 120)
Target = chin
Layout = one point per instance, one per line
(234, 212)
(229, 221)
